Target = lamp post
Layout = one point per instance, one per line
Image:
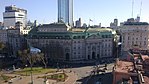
(117, 45)
(116, 60)
(31, 71)
(26, 67)
(33, 51)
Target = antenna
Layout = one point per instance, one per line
(132, 7)
(141, 8)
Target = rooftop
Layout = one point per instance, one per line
(99, 29)
(124, 66)
(68, 32)
(53, 25)
(78, 30)
(13, 8)
(136, 23)
(146, 80)
(145, 57)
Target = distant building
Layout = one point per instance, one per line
(114, 24)
(78, 23)
(130, 20)
(84, 25)
(13, 14)
(137, 19)
(134, 36)
(61, 42)
(1, 24)
(16, 38)
(96, 26)
(3, 36)
(65, 11)
(132, 72)
(23, 30)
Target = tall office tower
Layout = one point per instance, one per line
(137, 19)
(78, 23)
(65, 11)
(116, 22)
(13, 14)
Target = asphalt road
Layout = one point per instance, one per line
(84, 73)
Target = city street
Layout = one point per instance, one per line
(84, 73)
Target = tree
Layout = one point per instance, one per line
(2, 45)
(27, 57)
(41, 57)
(23, 56)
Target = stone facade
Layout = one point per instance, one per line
(135, 36)
(3, 36)
(59, 41)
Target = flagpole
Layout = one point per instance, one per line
(89, 23)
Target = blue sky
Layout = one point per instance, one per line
(100, 11)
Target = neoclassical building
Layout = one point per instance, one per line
(61, 42)
(135, 36)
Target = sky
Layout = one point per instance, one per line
(100, 11)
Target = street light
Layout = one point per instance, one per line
(31, 70)
(33, 51)
(26, 67)
(117, 44)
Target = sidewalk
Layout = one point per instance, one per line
(72, 77)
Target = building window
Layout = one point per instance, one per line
(144, 42)
(74, 37)
(83, 37)
(78, 47)
(145, 38)
(109, 45)
(105, 45)
(78, 52)
(128, 38)
(132, 43)
(136, 38)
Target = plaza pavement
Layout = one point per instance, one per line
(72, 77)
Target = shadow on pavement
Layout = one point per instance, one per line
(102, 78)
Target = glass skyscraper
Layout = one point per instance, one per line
(65, 11)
